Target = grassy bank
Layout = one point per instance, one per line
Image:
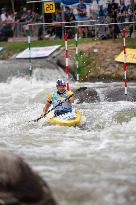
(97, 60)
(11, 48)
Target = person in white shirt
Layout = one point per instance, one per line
(3, 15)
(95, 9)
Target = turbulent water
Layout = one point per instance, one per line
(93, 164)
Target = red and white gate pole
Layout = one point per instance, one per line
(125, 58)
(66, 57)
(77, 61)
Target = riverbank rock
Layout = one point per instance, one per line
(118, 94)
(20, 185)
(88, 95)
(110, 94)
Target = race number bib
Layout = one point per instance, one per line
(49, 7)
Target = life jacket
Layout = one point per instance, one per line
(56, 97)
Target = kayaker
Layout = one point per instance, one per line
(59, 99)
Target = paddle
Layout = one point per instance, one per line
(60, 103)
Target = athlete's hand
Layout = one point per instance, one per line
(67, 101)
(59, 103)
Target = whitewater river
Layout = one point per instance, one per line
(93, 164)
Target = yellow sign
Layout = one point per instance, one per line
(130, 56)
(49, 7)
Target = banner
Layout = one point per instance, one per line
(130, 54)
(100, 2)
(38, 52)
(70, 2)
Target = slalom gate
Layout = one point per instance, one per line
(66, 57)
(123, 34)
(92, 23)
(30, 59)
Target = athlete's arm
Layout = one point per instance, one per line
(71, 99)
(48, 104)
(46, 107)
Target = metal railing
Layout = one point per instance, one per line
(38, 30)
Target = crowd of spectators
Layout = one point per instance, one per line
(120, 13)
(15, 24)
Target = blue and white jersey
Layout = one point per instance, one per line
(56, 97)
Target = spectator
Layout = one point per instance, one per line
(6, 30)
(17, 27)
(131, 14)
(6, 18)
(112, 12)
(58, 26)
(81, 9)
(23, 15)
(37, 29)
(95, 9)
(29, 20)
(69, 17)
(121, 11)
(82, 16)
(101, 12)
(40, 28)
(23, 20)
(3, 14)
(20, 185)
(68, 14)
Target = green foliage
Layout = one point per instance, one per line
(84, 65)
(130, 42)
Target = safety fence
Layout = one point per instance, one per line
(89, 28)
(99, 28)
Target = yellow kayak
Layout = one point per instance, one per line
(66, 122)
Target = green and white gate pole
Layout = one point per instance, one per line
(77, 59)
(30, 59)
